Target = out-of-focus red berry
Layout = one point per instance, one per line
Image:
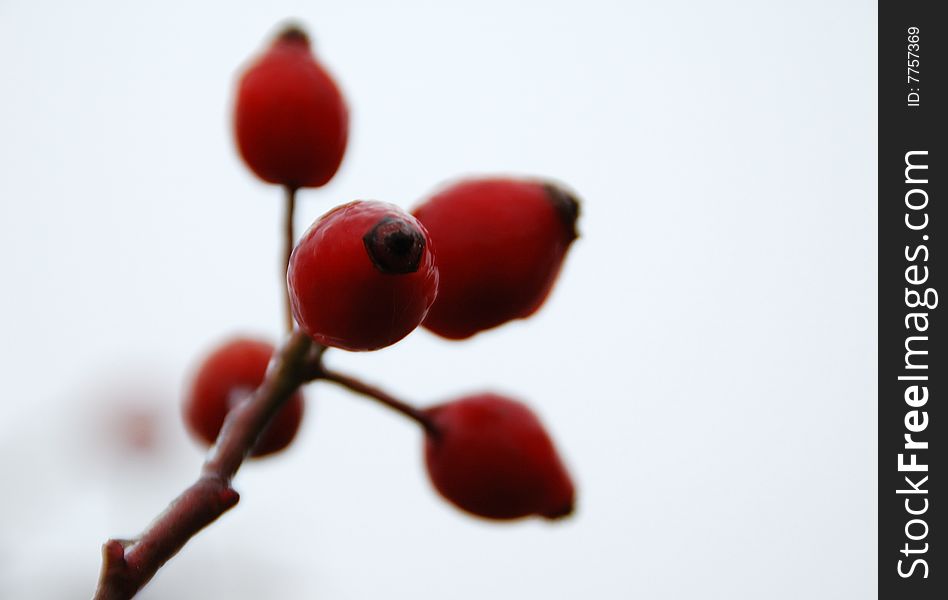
(227, 377)
(500, 244)
(490, 456)
(290, 119)
(362, 277)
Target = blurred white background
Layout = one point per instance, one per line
(706, 362)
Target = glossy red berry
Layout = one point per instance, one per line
(500, 244)
(290, 119)
(226, 378)
(490, 456)
(362, 277)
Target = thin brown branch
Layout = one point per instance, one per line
(360, 387)
(289, 241)
(127, 565)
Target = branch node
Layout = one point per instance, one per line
(228, 497)
(113, 554)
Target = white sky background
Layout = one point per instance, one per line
(706, 361)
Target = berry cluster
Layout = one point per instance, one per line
(473, 256)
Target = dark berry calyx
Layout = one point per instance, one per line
(293, 33)
(562, 511)
(395, 246)
(567, 207)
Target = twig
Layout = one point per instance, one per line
(127, 565)
(360, 387)
(289, 241)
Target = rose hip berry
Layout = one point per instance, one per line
(362, 277)
(226, 378)
(500, 244)
(490, 456)
(290, 119)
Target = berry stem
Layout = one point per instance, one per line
(289, 240)
(127, 565)
(360, 387)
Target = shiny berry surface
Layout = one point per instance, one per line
(290, 120)
(362, 277)
(490, 456)
(226, 378)
(501, 243)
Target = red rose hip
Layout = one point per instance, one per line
(290, 120)
(500, 244)
(226, 378)
(362, 277)
(490, 456)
